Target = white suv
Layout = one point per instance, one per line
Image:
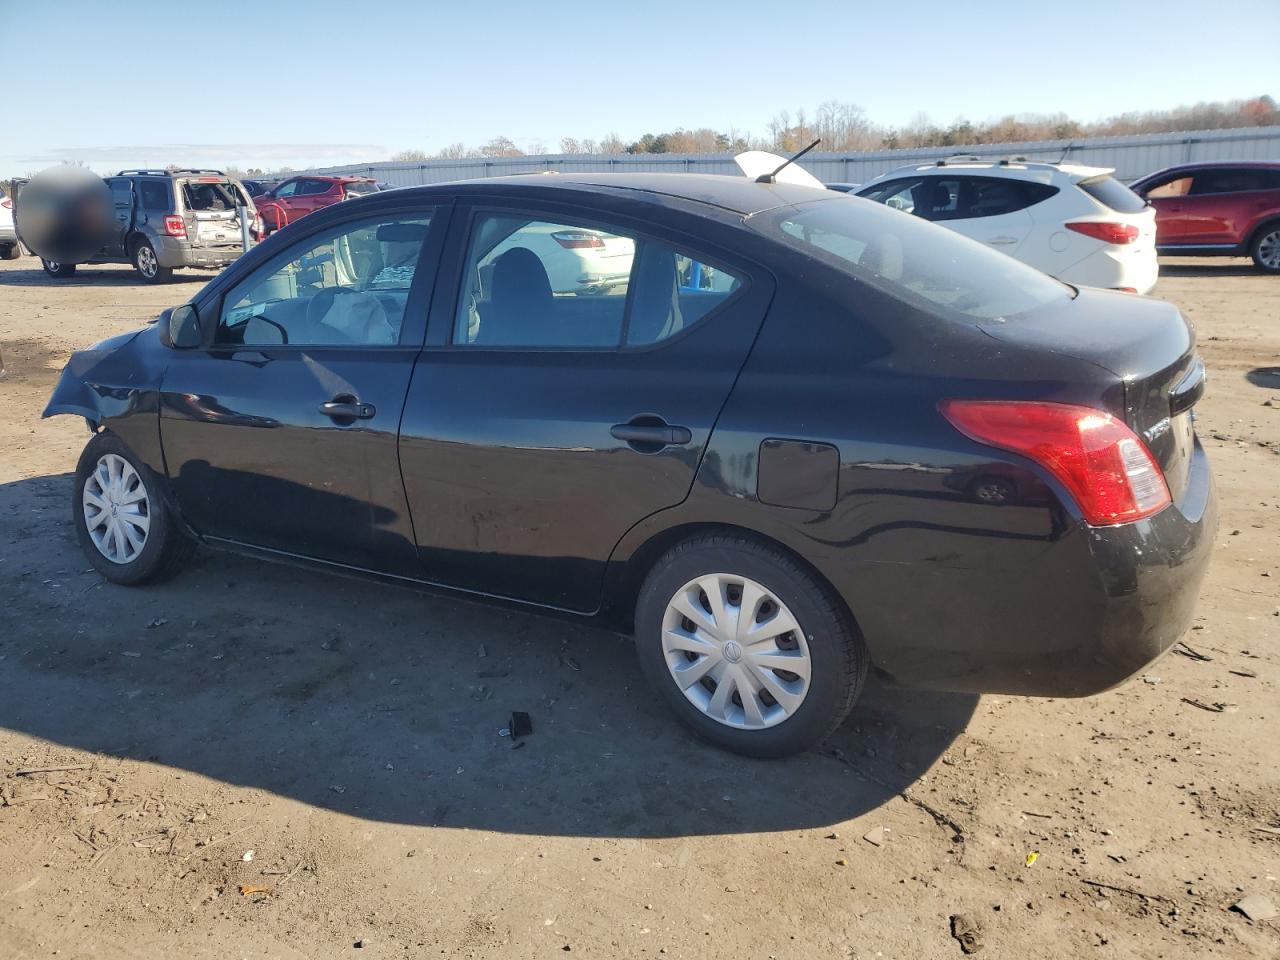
(1075, 223)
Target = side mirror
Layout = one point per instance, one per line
(181, 330)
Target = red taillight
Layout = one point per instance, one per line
(1102, 463)
(578, 239)
(1119, 233)
(6, 203)
(174, 227)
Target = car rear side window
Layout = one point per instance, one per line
(1110, 192)
(358, 189)
(1228, 180)
(349, 286)
(914, 260)
(155, 195)
(995, 196)
(537, 283)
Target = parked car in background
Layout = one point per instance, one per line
(164, 220)
(292, 199)
(1221, 209)
(9, 249)
(256, 188)
(811, 434)
(1076, 223)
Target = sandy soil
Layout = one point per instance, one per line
(336, 743)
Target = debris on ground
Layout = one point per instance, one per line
(1032, 857)
(1212, 708)
(1191, 653)
(1255, 907)
(521, 725)
(967, 931)
(248, 889)
(875, 837)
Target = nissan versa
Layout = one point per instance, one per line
(802, 435)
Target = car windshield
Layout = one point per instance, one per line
(912, 257)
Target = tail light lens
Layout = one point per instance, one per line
(1103, 464)
(1107, 232)
(6, 203)
(578, 239)
(174, 226)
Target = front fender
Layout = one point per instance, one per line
(115, 385)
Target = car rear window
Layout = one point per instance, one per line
(1110, 192)
(913, 258)
(359, 189)
(215, 195)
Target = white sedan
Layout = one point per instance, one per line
(1076, 223)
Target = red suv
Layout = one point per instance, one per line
(294, 198)
(1219, 209)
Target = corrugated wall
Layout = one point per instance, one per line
(1131, 157)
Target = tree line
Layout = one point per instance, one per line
(846, 127)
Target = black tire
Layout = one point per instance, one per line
(837, 654)
(1265, 248)
(58, 270)
(147, 263)
(166, 547)
(11, 252)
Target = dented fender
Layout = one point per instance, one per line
(115, 385)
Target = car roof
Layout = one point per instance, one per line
(739, 194)
(1013, 168)
(1218, 165)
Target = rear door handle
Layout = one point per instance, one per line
(645, 433)
(348, 410)
(1002, 241)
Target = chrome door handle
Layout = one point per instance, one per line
(649, 434)
(348, 410)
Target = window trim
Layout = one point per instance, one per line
(421, 289)
(576, 217)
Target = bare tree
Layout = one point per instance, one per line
(410, 156)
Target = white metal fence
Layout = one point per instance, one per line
(1132, 157)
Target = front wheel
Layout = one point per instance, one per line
(749, 649)
(147, 263)
(123, 524)
(57, 269)
(1265, 248)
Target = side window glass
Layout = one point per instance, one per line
(1227, 181)
(155, 195)
(312, 187)
(347, 286)
(1178, 187)
(896, 194)
(996, 196)
(936, 198)
(287, 189)
(535, 283)
(121, 193)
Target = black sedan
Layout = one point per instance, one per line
(782, 435)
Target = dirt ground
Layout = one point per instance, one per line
(334, 745)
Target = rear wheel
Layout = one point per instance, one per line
(122, 522)
(57, 269)
(748, 648)
(11, 252)
(1265, 248)
(147, 263)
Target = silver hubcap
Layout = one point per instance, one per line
(117, 511)
(1269, 250)
(735, 651)
(147, 261)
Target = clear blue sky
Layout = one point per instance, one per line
(113, 82)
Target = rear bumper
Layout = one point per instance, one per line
(176, 252)
(1098, 605)
(1115, 271)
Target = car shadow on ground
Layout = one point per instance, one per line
(1210, 268)
(386, 703)
(1265, 377)
(92, 276)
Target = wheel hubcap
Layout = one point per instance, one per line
(117, 510)
(1269, 250)
(147, 261)
(735, 651)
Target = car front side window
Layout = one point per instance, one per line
(286, 189)
(347, 286)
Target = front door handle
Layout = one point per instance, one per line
(642, 432)
(348, 410)
(1002, 241)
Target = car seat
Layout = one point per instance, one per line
(521, 305)
(655, 296)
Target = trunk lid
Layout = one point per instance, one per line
(1147, 345)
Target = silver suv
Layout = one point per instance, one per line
(167, 219)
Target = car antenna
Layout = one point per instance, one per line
(770, 177)
(1065, 151)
